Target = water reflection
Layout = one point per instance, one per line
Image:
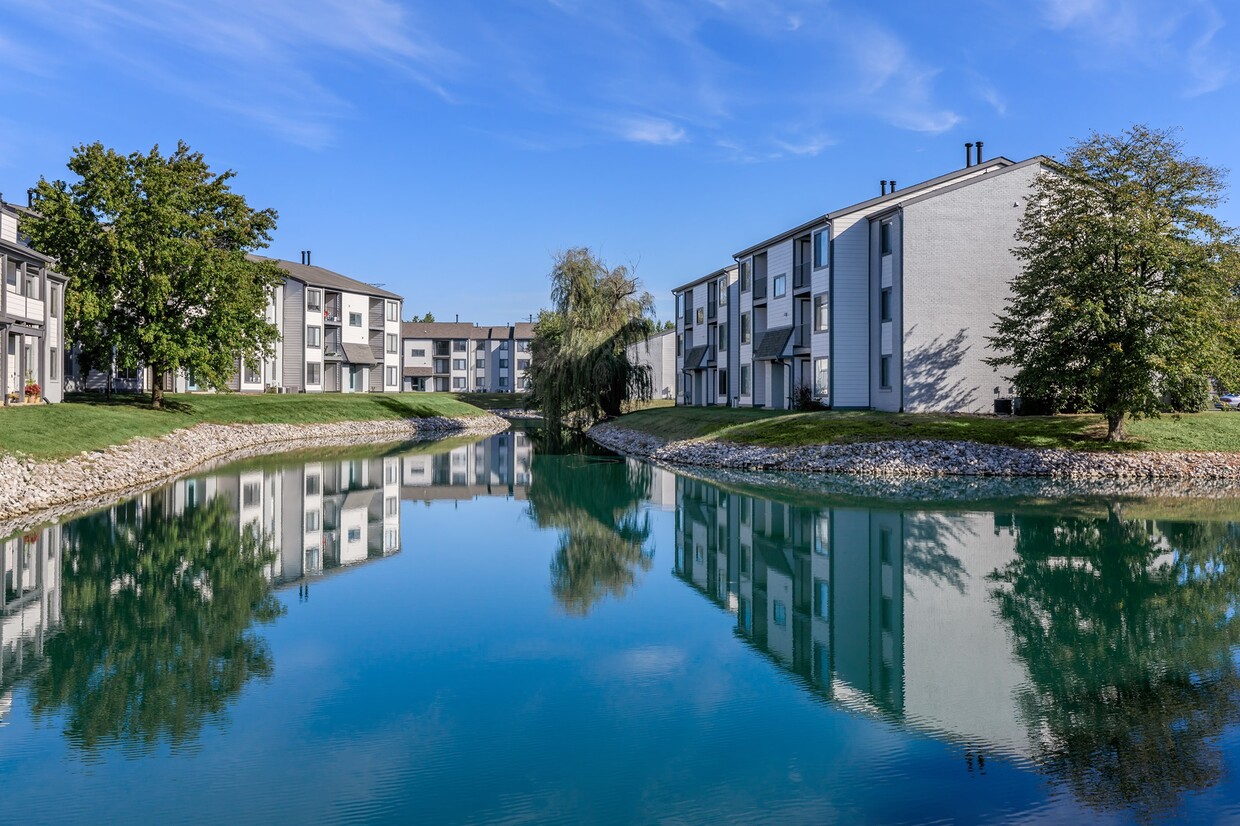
(1099, 647)
(29, 605)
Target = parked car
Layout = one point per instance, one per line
(1229, 401)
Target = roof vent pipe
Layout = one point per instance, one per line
(968, 154)
(979, 152)
(884, 183)
(893, 186)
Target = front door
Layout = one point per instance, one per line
(778, 396)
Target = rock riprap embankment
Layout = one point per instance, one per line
(50, 488)
(922, 458)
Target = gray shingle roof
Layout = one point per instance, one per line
(418, 372)
(773, 343)
(358, 353)
(695, 356)
(328, 280)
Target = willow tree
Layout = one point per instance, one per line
(580, 370)
(1128, 291)
(155, 248)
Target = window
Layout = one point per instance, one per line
(55, 300)
(680, 305)
(11, 274)
(251, 494)
(441, 365)
(458, 383)
(393, 313)
(723, 291)
(314, 373)
(53, 367)
(480, 381)
(503, 345)
(884, 372)
(392, 343)
(312, 521)
(680, 345)
(481, 345)
(884, 304)
(252, 376)
(391, 377)
(503, 364)
(480, 363)
(312, 485)
(723, 382)
(314, 300)
(744, 328)
(458, 364)
(460, 345)
(822, 248)
(822, 312)
(523, 346)
(884, 238)
(744, 379)
(822, 378)
(822, 599)
(723, 337)
(523, 364)
(355, 535)
(32, 283)
(503, 381)
(355, 319)
(417, 353)
(745, 276)
(779, 613)
(779, 287)
(701, 315)
(391, 506)
(314, 336)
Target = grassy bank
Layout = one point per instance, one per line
(778, 428)
(89, 423)
(493, 401)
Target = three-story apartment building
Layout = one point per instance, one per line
(31, 315)
(884, 304)
(460, 357)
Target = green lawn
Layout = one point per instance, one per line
(493, 401)
(777, 428)
(87, 422)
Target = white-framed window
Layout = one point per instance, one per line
(822, 378)
(393, 311)
(252, 376)
(822, 248)
(460, 345)
(355, 319)
(458, 364)
(312, 484)
(779, 287)
(314, 300)
(314, 336)
(391, 377)
(723, 291)
(480, 363)
(314, 373)
(480, 381)
(393, 343)
(417, 353)
(312, 521)
(458, 383)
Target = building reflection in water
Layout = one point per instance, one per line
(29, 604)
(1097, 647)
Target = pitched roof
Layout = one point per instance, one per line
(772, 343)
(695, 357)
(328, 280)
(358, 353)
(465, 329)
(419, 372)
(717, 273)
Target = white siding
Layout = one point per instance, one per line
(850, 312)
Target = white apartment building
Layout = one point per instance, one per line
(885, 304)
(32, 311)
(459, 357)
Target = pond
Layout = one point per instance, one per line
(486, 631)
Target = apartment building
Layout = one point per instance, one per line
(658, 353)
(31, 315)
(462, 357)
(337, 335)
(885, 304)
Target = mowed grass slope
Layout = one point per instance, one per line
(88, 422)
(1218, 431)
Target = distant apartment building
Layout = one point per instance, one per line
(498, 466)
(337, 335)
(32, 313)
(659, 354)
(885, 304)
(459, 357)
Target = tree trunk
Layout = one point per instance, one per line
(1115, 427)
(157, 389)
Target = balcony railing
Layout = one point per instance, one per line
(801, 276)
(711, 311)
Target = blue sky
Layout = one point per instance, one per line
(448, 150)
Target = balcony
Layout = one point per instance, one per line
(801, 276)
(712, 311)
(759, 288)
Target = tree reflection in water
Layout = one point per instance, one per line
(157, 607)
(1127, 629)
(593, 503)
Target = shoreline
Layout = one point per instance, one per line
(925, 459)
(33, 491)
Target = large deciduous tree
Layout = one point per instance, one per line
(1128, 291)
(155, 248)
(580, 369)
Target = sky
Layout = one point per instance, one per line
(449, 150)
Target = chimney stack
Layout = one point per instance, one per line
(968, 155)
(30, 197)
(884, 183)
(979, 152)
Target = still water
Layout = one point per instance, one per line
(483, 632)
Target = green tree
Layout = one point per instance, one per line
(1129, 282)
(429, 318)
(580, 370)
(157, 610)
(155, 248)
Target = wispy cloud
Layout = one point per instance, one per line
(1177, 38)
(656, 131)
